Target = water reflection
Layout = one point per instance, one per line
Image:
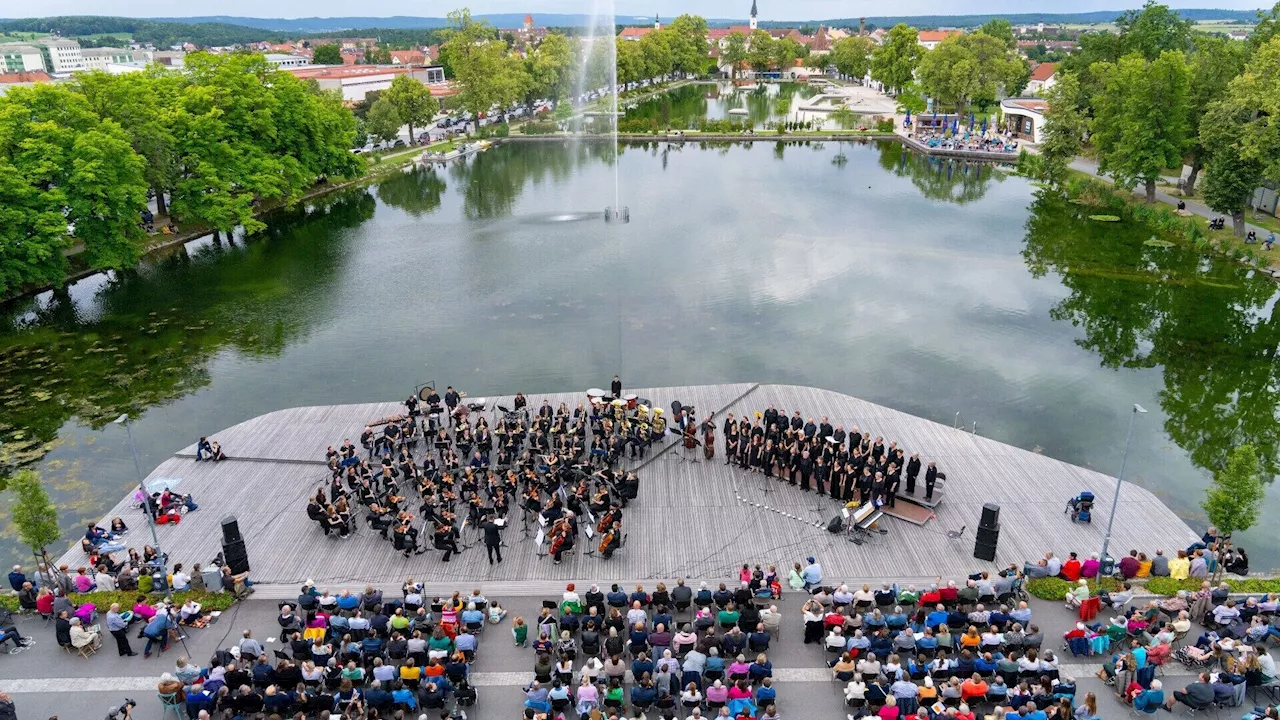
(1212, 328)
(686, 106)
(941, 178)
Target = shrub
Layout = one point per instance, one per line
(539, 127)
(103, 600)
(885, 125)
(1048, 588)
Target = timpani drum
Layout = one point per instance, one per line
(594, 395)
(632, 400)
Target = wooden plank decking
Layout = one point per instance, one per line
(698, 520)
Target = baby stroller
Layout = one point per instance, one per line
(1081, 507)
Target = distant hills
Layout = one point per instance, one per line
(213, 30)
(511, 20)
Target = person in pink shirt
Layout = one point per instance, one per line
(890, 709)
(717, 694)
(739, 668)
(143, 610)
(82, 581)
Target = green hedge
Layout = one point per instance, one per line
(103, 600)
(1056, 588)
(1048, 588)
(539, 127)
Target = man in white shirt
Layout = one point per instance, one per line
(181, 580)
(104, 580)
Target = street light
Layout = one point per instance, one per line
(151, 521)
(1106, 540)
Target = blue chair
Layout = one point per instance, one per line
(170, 701)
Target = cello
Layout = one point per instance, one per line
(559, 536)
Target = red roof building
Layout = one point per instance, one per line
(408, 57)
(930, 38)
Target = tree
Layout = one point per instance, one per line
(785, 53)
(68, 176)
(377, 56)
(760, 50)
(1257, 92)
(34, 514)
(384, 121)
(549, 67)
(1001, 29)
(1234, 499)
(326, 55)
(1230, 178)
(479, 63)
(852, 56)
(142, 105)
(1267, 28)
(735, 52)
(1153, 30)
(1213, 63)
(894, 63)
(948, 74)
(689, 45)
(413, 102)
(1064, 129)
(1140, 124)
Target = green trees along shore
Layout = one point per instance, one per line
(78, 159)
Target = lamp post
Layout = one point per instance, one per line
(1106, 539)
(151, 520)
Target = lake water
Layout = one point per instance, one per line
(931, 286)
(685, 107)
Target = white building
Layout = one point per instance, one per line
(62, 56)
(1025, 118)
(1043, 77)
(287, 61)
(357, 81)
(100, 58)
(16, 58)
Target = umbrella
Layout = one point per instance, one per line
(907, 122)
(984, 126)
(970, 121)
(161, 483)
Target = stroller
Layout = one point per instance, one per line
(1081, 507)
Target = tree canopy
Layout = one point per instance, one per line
(1234, 499)
(326, 55)
(413, 103)
(969, 67)
(852, 55)
(894, 62)
(1141, 123)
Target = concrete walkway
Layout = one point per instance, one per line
(1194, 205)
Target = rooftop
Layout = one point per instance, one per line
(695, 519)
(1033, 104)
(937, 35)
(15, 78)
(1044, 71)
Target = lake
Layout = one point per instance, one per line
(932, 286)
(685, 107)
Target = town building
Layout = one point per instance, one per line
(100, 58)
(21, 79)
(930, 38)
(1043, 77)
(61, 56)
(18, 58)
(1025, 118)
(355, 82)
(288, 61)
(408, 57)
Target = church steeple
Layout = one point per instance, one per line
(657, 23)
(753, 14)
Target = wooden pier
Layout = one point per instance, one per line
(699, 520)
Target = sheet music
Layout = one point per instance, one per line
(541, 536)
(542, 520)
(590, 533)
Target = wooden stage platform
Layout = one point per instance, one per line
(700, 520)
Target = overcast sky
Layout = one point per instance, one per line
(769, 9)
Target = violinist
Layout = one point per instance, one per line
(445, 538)
(405, 536)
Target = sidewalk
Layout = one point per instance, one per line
(1194, 205)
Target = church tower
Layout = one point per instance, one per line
(753, 14)
(657, 22)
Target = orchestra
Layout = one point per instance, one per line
(554, 463)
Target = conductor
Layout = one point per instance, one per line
(492, 537)
(616, 387)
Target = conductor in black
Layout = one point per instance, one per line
(492, 538)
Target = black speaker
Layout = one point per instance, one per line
(836, 524)
(230, 530)
(984, 551)
(990, 516)
(988, 534)
(236, 556)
